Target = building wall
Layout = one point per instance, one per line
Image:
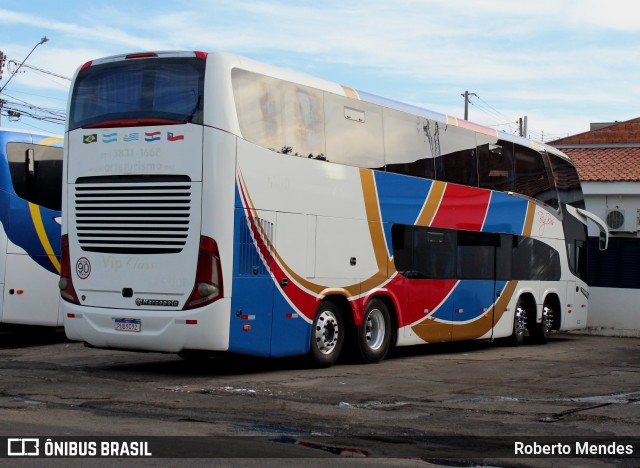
(614, 275)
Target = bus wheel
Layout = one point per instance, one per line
(374, 335)
(541, 332)
(519, 324)
(327, 335)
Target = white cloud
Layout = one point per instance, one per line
(522, 57)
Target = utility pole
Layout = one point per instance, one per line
(3, 58)
(2, 61)
(466, 103)
(522, 126)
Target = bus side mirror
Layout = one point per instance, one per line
(603, 241)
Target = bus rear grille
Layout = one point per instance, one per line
(133, 214)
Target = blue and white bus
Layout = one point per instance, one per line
(213, 203)
(30, 191)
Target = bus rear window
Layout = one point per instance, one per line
(167, 90)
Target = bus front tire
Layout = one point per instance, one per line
(327, 335)
(374, 335)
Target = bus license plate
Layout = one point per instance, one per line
(130, 325)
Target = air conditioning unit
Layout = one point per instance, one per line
(616, 220)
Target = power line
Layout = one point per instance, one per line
(491, 111)
(512, 123)
(42, 41)
(41, 70)
(15, 109)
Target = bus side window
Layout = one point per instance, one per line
(435, 252)
(535, 260)
(504, 256)
(532, 178)
(409, 144)
(402, 241)
(567, 181)
(353, 132)
(476, 255)
(259, 108)
(496, 166)
(36, 173)
(457, 161)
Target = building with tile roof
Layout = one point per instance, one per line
(608, 161)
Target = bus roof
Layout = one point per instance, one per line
(229, 61)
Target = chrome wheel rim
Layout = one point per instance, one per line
(547, 320)
(520, 322)
(326, 332)
(374, 329)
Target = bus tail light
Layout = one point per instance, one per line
(208, 284)
(67, 292)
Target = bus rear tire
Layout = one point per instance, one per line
(541, 332)
(327, 335)
(374, 335)
(519, 324)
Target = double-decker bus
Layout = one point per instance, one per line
(30, 191)
(214, 203)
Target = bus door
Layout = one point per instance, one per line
(427, 256)
(475, 293)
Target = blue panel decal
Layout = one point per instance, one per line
(21, 227)
(401, 199)
(466, 300)
(506, 214)
(263, 323)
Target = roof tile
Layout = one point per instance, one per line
(613, 164)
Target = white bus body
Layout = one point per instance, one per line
(256, 210)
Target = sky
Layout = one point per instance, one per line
(561, 63)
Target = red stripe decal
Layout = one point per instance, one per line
(462, 208)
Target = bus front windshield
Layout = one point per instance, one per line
(138, 92)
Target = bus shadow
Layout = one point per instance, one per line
(24, 336)
(227, 364)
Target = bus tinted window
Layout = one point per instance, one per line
(167, 89)
(424, 253)
(410, 143)
(567, 181)
(432, 253)
(532, 178)
(575, 236)
(279, 115)
(354, 132)
(496, 169)
(457, 161)
(36, 173)
(476, 252)
(534, 260)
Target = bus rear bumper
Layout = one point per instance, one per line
(205, 328)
